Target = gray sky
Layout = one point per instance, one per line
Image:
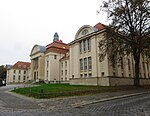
(24, 23)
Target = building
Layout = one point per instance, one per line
(46, 61)
(78, 63)
(18, 73)
(85, 68)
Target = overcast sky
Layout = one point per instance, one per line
(24, 23)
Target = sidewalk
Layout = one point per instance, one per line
(79, 101)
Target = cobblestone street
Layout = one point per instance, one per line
(13, 105)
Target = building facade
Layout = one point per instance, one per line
(86, 69)
(78, 62)
(18, 73)
(46, 61)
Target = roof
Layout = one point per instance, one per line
(21, 65)
(100, 26)
(58, 47)
(65, 57)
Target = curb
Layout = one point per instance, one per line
(109, 99)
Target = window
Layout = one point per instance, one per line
(62, 64)
(24, 72)
(89, 63)
(47, 64)
(114, 74)
(121, 60)
(90, 74)
(47, 73)
(85, 75)
(24, 78)
(80, 46)
(129, 64)
(85, 63)
(84, 45)
(19, 78)
(14, 77)
(103, 74)
(65, 72)
(55, 56)
(19, 66)
(122, 74)
(66, 63)
(62, 72)
(129, 75)
(81, 64)
(81, 75)
(19, 71)
(89, 44)
(14, 71)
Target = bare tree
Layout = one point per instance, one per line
(128, 32)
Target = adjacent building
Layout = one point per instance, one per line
(18, 73)
(47, 62)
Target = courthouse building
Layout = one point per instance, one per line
(78, 62)
(50, 63)
(18, 73)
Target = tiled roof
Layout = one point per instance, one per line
(58, 47)
(100, 26)
(21, 65)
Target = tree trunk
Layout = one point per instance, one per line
(137, 71)
(137, 67)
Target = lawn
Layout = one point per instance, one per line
(61, 90)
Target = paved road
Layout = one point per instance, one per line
(11, 105)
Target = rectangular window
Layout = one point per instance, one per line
(24, 78)
(103, 74)
(55, 56)
(14, 71)
(84, 45)
(47, 73)
(114, 74)
(89, 44)
(122, 74)
(80, 46)
(62, 72)
(89, 63)
(85, 63)
(19, 71)
(129, 64)
(62, 64)
(81, 64)
(65, 72)
(24, 72)
(90, 74)
(121, 60)
(81, 75)
(14, 77)
(19, 78)
(65, 63)
(47, 64)
(85, 75)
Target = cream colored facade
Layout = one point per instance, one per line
(19, 73)
(46, 62)
(78, 62)
(85, 65)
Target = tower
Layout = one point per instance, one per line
(56, 37)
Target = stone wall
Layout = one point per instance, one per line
(107, 81)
